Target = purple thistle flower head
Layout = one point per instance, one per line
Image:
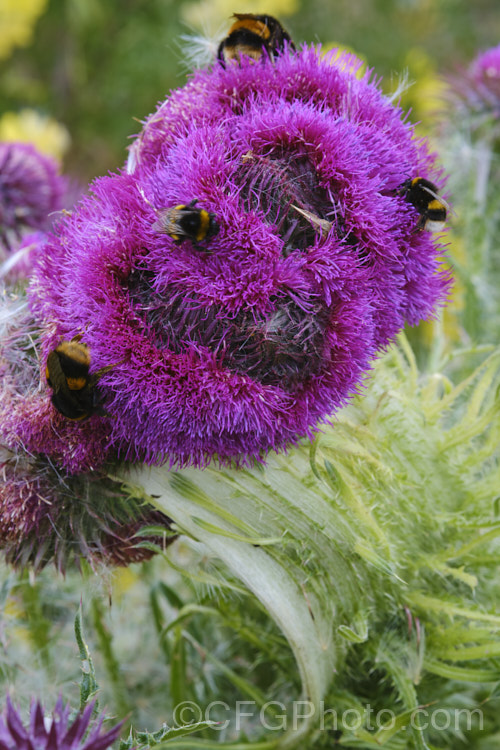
(55, 504)
(30, 190)
(234, 284)
(46, 519)
(475, 94)
(55, 732)
(485, 70)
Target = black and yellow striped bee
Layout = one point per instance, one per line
(252, 36)
(67, 373)
(187, 223)
(422, 194)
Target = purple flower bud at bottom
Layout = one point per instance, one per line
(56, 732)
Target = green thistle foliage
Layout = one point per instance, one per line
(469, 144)
(360, 571)
(372, 548)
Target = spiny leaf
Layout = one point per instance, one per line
(88, 684)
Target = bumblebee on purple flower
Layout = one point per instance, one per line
(228, 291)
(233, 286)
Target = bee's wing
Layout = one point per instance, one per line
(437, 197)
(163, 222)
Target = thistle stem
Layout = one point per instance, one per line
(265, 571)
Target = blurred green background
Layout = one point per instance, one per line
(75, 73)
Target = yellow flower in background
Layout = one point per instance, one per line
(17, 20)
(457, 254)
(29, 126)
(212, 14)
(425, 95)
(12, 607)
(448, 325)
(124, 579)
(341, 48)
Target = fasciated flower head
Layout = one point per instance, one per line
(30, 190)
(235, 283)
(56, 732)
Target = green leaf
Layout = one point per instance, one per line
(88, 684)
(188, 611)
(111, 663)
(256, 541)
(164, 736)
(421, 601)
(153, 530)
(177, 732)
(451, 672)
(358, 633)
(397, 724)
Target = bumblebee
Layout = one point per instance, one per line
(252, 35)
(67, 373)
(187, 223)
(422, 194)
